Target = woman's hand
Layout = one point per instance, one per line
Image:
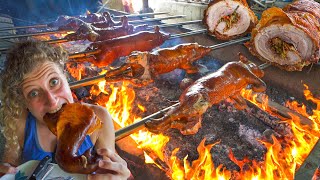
(113, 163)
(6, 168)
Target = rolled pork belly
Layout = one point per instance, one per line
(309, 6)
(229, 19)
(289, 40)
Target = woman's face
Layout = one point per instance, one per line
(45, 90)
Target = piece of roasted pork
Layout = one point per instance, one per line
(229, 19)
(289, 40)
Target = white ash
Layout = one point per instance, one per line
(250, 135)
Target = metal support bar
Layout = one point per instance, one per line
(228, 43)
(156, 19)
(140, 15)
(179, 24)
(188, 33)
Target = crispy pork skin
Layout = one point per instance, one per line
(289, 40)
(71, 124)
(112, 49)
(309, 6)
(228, 19)
(211, 89)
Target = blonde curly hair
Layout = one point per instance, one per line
(22, 59)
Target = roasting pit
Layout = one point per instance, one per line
(236, 131)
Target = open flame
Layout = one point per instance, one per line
(282, 159)
(47, 37)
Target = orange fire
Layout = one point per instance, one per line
(48, 37)
(282, 159)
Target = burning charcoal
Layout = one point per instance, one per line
(81, 92)
(267, 135)
(101, 99)
(250, 135)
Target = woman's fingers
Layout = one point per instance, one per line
(113, 162)
(6, 168)
(110, 154)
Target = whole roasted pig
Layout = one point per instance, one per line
(71, 124)
(89, 32)
(112, 49)
(211, 89)
(103, 20)
(287, 39)
(141, 68)
(229, 19)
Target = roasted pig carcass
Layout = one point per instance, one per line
(141, 68)
(211, 89)
(71, 124)
(112, 49)
(289, 40)
(228, 19)
(103, 20)
(89, 32)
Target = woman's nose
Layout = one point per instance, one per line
(51, 98)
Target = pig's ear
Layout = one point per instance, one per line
(243, 58)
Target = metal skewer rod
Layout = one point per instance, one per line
(126, 131)
(89, 81)
(140, 15)
(24, 27)
(179, 24)
(188, 33)
(32, 34)
(156, 19)
(84, 54)
(264, 65)
(224, 44)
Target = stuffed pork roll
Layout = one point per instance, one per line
(289, 40)
(229, 19)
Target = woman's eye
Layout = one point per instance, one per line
(33, 94)
(54, 82)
